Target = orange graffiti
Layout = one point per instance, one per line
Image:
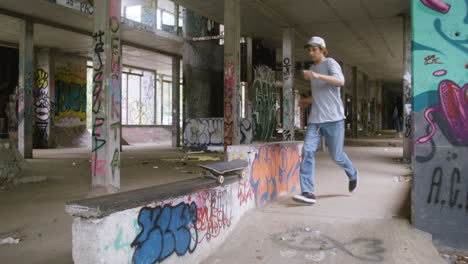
(275, 171)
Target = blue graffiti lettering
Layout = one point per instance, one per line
(164, 231)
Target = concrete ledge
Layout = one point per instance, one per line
(102, 206)
(182, 222)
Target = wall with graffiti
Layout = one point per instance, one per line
(187, 228)
(440, 49)
(147, 134)
(69, 101)
(264, 104)
(205, 132)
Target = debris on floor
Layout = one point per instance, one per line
(402, 179)
(187, 172)
(9, 240)
(453, 258)
(194, 158)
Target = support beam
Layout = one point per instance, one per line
(25, 96)
(107, 71)
(175, 102)
(407, 90)
(176, 18)
(231, 72)
(44, 80)
(355, 100)
(249, 87)
(288, 84)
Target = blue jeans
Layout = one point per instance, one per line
(334, 136)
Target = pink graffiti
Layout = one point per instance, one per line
(99, 165)
(245, 192)
(454, 106)
(213, 213)
(437, 5)
(439, 73)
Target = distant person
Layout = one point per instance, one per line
(397, 117)
(326, 119)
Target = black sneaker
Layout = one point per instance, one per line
(353, 184)
(305, 197)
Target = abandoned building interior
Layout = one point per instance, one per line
(109, 109)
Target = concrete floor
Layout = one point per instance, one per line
(35, 212)
(370, 219)
(369, 226)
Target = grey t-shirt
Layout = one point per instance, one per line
(326, 104)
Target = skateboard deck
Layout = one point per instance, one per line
(218, 169)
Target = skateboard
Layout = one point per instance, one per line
(218, 170)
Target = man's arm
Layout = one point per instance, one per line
(305, 102)
(309, 75)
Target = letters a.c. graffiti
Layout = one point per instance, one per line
(454, 106)
(165, 230)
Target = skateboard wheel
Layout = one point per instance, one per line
(220, 179)
(242, 174)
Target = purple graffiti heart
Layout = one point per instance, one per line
(454, 107)
(437, 5)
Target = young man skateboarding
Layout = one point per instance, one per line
(326, 119)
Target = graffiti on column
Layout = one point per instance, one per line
(114, 86)
(454, 107)
(99, 117)
(70, 94)
(42, 109)
(440, 117)
(407, 83)
(288, 110)
(264, 103)
(229, 104)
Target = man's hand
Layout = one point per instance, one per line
(305, 102)
(309, 75)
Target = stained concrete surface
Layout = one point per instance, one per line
(35, 212)
(369, 226)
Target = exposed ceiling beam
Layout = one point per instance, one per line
(84, 32)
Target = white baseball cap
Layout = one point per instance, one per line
(316, 42)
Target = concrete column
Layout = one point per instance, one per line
(176, 19)
(231, 72)
(107, 71)
(42, 94)
(25, 92)
(249, 91)
(288, 84)
(407, 90)
(175, 101)
(365, 105)
(355, 103)
(379, 105)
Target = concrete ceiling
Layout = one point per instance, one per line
(69, 31)
(366, 33)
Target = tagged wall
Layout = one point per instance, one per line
(147, 134)
(205, 132)
(70, 101)
(264, 103)
(188, 227)
(440, 104)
